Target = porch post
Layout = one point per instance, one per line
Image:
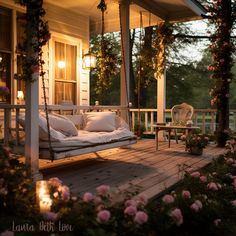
(125, 66)
(32, 104)
(161, 102)
(32, 128)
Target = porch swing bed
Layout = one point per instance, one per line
(73, 135)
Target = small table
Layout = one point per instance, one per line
(171, 127)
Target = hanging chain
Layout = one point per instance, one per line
(46, 111)
(140, 69)
(123, 60)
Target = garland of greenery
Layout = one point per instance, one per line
(163, 39)
(222, 17)
(37, 35)
(106, 61)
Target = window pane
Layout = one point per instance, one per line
(5, 29)
(20, 83)
(59, 58)
(21, 24)
(5, 73)
(64, 92)
(70, 62)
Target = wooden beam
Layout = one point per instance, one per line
(125, 66)
(161, 102)
(152, 7)
(196, 7)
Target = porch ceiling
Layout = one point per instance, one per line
(153, 11)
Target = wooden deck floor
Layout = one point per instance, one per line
(140, 167)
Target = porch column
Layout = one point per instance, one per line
(32, 104)
(32, 128)
(125, 66)
(161, 102)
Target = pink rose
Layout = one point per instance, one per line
(142, 198)
(7, 233)
(203, 179)
(103, 189)
(97, 200)
(141, 217)
(103, 216)
(131, 202)
(55, 182)
(196, 206)
(212, 186)
(186, 194)
(65, 192)
(234, 203)
(177, 216)
(168, 199)
(50, 216)
(230, 161)
(217, 222)
(130, 210)
(88, 197)
(195, 174)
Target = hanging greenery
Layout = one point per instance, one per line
(37, 35)
(162, 40)
(107, 61)
(222, 16)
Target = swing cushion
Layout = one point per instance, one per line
(62, 124)
(100, 121)
(43, 132)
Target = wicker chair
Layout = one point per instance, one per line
(180, 114)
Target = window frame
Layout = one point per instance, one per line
(62, 38)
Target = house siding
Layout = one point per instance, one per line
(64, 22)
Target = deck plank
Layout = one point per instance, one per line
(138, 167)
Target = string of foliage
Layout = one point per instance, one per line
(222, 17)
(163, 39)
(107, 61)
(37, 35)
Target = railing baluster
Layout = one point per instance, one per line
(146, 121)
(7, 121)
(17, 126)
(152, 121)
(212, 122)
(203, 122)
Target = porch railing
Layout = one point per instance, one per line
(204, 118)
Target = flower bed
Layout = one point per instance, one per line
(204, 203)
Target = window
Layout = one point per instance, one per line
(65, 72)
(5, 51)
(5, 29)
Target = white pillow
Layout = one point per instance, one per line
(77, 120)
(62, 124)
(120, 123)
(43, 131)
(100, 121)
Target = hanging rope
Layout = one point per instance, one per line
(46, 111)
(140, 69)
(124, 63)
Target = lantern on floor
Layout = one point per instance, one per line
(89, 61)
(43, 196)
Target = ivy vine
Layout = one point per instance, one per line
(162, 40)
(37, 35)
(107, 61)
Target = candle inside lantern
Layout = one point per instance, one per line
(43, 197)
(45, 203)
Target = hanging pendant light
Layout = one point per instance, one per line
(89, 61)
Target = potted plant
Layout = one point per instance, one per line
(195, 143)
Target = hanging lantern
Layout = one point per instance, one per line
(89, 61)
